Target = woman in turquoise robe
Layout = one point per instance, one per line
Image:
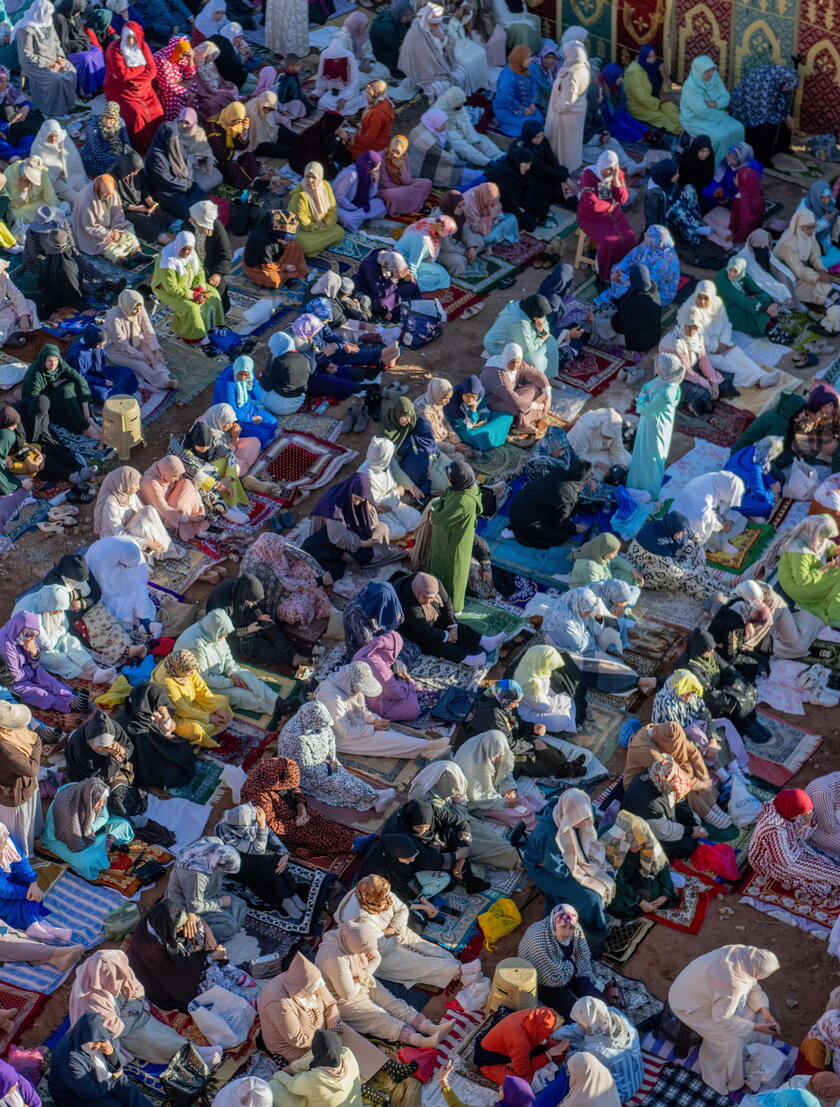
(703, 105)
(656, 404)
(471, 418)
(420, 246)
(78, 826)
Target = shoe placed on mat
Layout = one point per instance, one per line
(360, 423)
(233, 515)
(349, 420)
(80, 495)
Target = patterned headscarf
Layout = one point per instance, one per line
(209, 855)
(563, 915)
(180, 664)
(73, 812)
(357, 677)
(506, 692)
(629, 830)
(669, 778)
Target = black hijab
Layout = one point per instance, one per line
(82, 760)
(699, 642)
(535, 307)
(693, 170)
(126, 172)
(164, 921)
(460, 475)
(386, 858)
(202, 436)
(326, 1050)
(71, 571)
(238, 596)
(137, 712)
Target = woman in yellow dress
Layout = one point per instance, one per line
(314, 205)
(199, 714)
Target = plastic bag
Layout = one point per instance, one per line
(802, 482)
(222, 1017)
(629, 515)
(743, 806)
(763, 1067)
(475, 995)
(719, 859)
(499, 919)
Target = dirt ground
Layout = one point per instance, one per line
(808, 973)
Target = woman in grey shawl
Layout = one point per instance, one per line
(263, 858)
(196, 884)
(51, 77)
(197, 152)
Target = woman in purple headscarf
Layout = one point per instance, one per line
(816, 434)
(340, 367)
(345, 529)
(13, 1084)
(355, 190)
(20, 652)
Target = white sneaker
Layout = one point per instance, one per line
(475, 660)
(239, 518)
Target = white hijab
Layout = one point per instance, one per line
(170, 259)
(123, 575)
(704, 498)
(61, 158)
(487, 763)
(133, 56)
(205, 22)
(39, 18)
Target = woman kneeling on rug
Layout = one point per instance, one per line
(609, 1036)
(405, 957)
(79, 828)
(718, 996)
(557, 948)
(567, 862)
(779, 846)
(263, 858)
(430, 622)
(518, 1045)
(642, 878)
(199, 714)
(348, 958)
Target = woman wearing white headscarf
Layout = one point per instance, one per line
(610, 1037)
(718, 996)
(427, 57)
(248, 1091)
(686, 341)
(710, 503)
(566, 115)
(799, 250)
(766, 270)
(123, 576)
(212, 92)
(132, 340)
(597, 438)
(515, 387)
(212, 17)
(470, 146)
(385, 493)
(61, 159)
(792, 631)
(359, 730)
(340, 81)
(62, 653)
(721, 350)
(487, 762)
(657, 405)
(314, 206)
(119, 512)
(51, 77)
(179, 282)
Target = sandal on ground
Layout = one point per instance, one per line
(472, 310)
(50, 527)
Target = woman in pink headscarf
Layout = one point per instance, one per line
(212, 92)
(166, 487)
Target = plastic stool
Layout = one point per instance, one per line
(122, 426)
(514, 985)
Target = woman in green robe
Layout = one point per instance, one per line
(746, 305)
(599, 559)
(313, 204)
(656, 404)
(808, 572)
(454, 518)
(642, 878)
(179, 282)
(68, 392)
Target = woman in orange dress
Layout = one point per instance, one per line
(376, 122)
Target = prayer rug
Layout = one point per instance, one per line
(560, 224)
(153, 402)
(120, 876)
(485, 273)
(814, 913)
(49, 872)
(592, 371)
(784, 755)
(218, 543)
(567, 403)
(366, 822)
(456, 300)
(640, 1007)
(292, 295)
(204, 784)
(703, 457)
(301, 462)
(695, 897)
(456, 920)
(457, 1046)
(312, 887)
(26, 518)
(501, 461)
(506, 882)
(679, 1087)
(520, 253)
(320, 426)
(600, 730)
(751, 544)
(624, 938)
(540, 566)
(385, 772)
(356, 246)
(651, 1069)
(242, 744)
(439, 673)
(284, 686)
(759, 400)
(488, 619)
(77, 905)
(178, 575)
(724, 426)
(26, 1005)
(802, 168)
(676, 608)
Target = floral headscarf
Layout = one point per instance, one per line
(629, 830)
(209, 855)
(180, 664)
(669, 778)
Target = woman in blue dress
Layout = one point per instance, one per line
(20, 896)
(568, 864)
(87, 356)
(471, 418)
(78, 827)
(237, 386)
(754, 465)
(656, 251)
(613, 104)
(515, 99)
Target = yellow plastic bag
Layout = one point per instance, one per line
(499, 919)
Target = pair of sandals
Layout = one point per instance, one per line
(58, 518)
(542, 262)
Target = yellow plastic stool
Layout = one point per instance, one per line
(581, 256)
(122, 426)
(514, 985)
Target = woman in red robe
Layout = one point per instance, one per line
(130, 70)
(599, 214)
